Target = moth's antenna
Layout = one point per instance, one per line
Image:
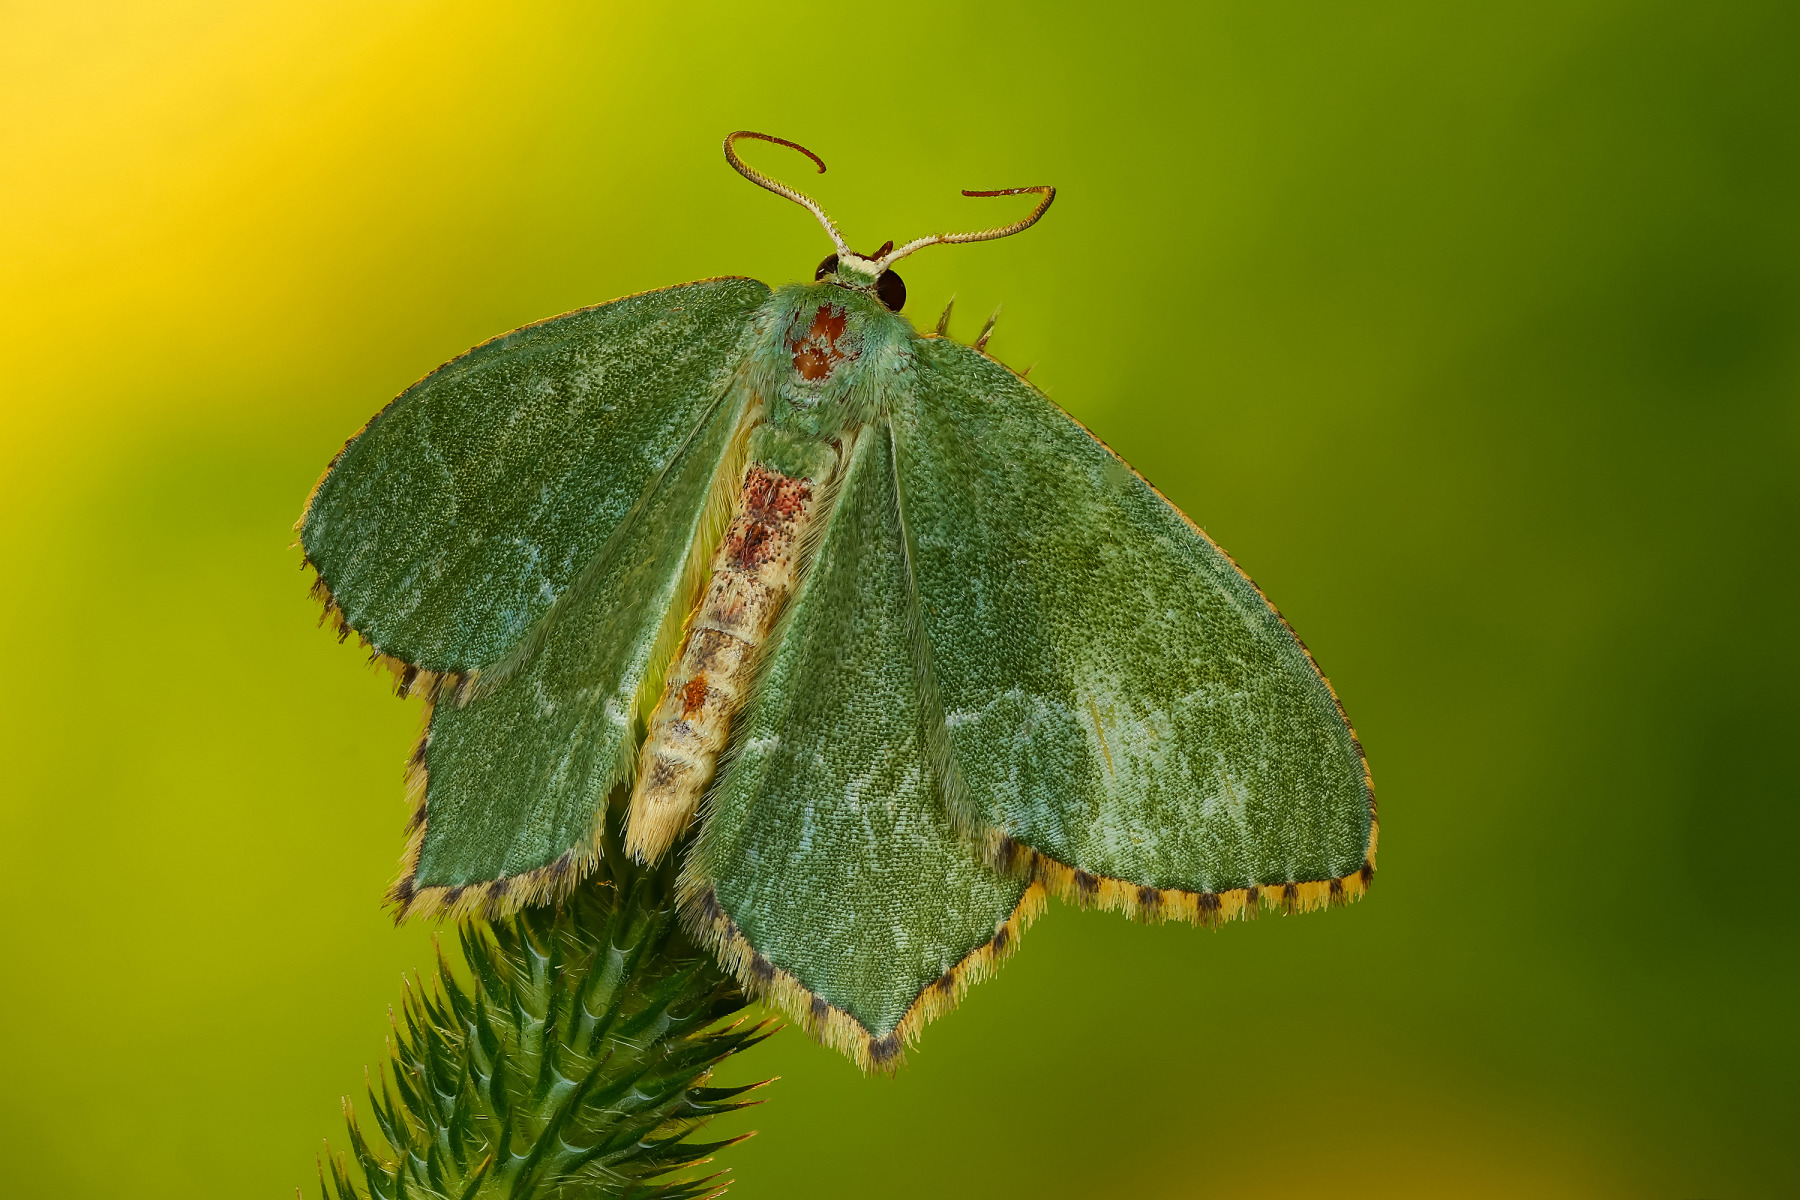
(981, 235)
(794, 194)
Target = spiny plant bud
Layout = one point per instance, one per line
(567, 1059)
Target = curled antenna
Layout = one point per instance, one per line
(794, 194)
(980, 235)
(886, 256)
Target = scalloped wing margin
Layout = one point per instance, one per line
(1126, 719)
(511, 778)
(596, 449)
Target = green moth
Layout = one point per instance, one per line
(854, 619)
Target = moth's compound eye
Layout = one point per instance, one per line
(892, 290)
(825, 268)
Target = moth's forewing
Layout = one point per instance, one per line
(526, 518)
(518, 769)
(827, 872)
(456, 518)
(1122, 707)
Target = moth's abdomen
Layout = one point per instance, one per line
(752, 574)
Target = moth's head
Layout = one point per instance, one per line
(864, 273)
(873, 273)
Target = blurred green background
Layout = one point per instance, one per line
(1472, 331)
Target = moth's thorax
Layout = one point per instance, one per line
(827, 358)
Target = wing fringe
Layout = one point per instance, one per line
(489, 900)
(1141, 902)
(408, 677)
(549, 884)
(492, 899)
(709, 924)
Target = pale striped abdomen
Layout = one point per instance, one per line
(752, 574)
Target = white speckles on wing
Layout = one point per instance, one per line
(761, 746)
(1227, 801)
(616, 711)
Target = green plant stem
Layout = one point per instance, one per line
(567, 1060)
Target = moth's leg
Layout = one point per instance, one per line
(752, 574)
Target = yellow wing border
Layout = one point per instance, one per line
(488, 900)
(1145, 903)
(712, 927)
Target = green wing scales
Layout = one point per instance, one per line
(517, 769)
(529, 521)
(1008, 661)
(827, 872)
(1121, 706)
(461, 512)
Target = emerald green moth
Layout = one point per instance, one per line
(853, 619)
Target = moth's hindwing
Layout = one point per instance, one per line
(469, 504)
(827, 873)
(1127, 717)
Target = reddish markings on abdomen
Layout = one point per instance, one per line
(771, 504)
(693, 696)
(753, 571)
(747, 544)
(769, 496)
(816, 354)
